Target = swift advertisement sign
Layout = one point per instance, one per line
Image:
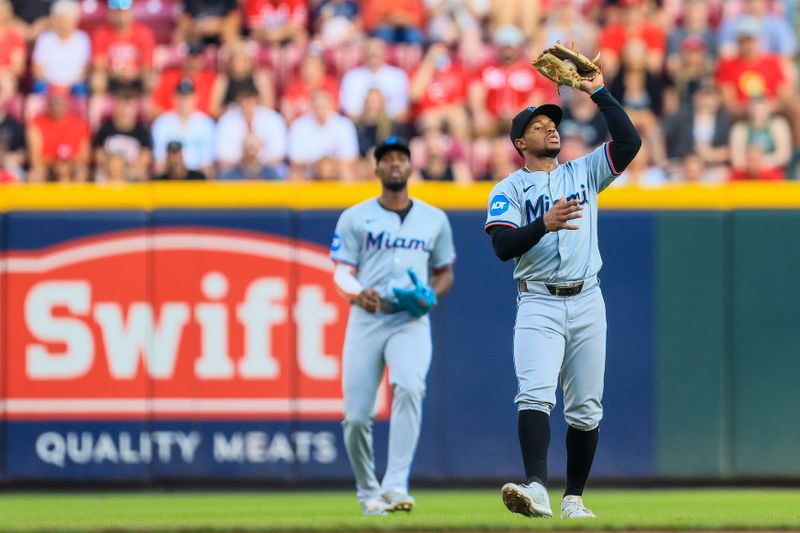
(174, 324)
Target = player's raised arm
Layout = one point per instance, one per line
(625, 140)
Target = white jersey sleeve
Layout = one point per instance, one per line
(443, 251)
(600, 168)
(505, 207)
(346, 243)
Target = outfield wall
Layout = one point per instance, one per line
(153, 333)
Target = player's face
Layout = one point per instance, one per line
(393, 169)
(541, 138)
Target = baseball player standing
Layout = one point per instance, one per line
(394, 259)
(544, 215)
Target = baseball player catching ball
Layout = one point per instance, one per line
(544, 215)
(394, 259)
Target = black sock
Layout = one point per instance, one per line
(534, 439)
(581, 446)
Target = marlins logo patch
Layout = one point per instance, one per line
(498, 205)
(336, 243)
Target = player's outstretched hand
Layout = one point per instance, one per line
(369, 300)
(558, 216)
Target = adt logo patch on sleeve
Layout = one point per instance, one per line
(336, 243)
(498, 205)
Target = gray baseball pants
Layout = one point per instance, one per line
(402, 343)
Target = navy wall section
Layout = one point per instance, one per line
(469, 427)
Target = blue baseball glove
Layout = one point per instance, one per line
(417, 301)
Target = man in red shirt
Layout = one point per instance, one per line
(394, 21)
(194, 68)
(122, 52)
(58, 140)
(296, 98)
(277, 21)
(439, 93)
(634, 25)
(502, 88)
(751, 73)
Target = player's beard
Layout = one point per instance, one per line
(394, 186)
(552, 152)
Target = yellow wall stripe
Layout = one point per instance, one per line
(337, 196)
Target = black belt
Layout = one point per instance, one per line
(557, 289)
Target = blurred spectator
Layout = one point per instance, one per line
(174, 166)
(58, 141)
(582, 117)
(61, 55)
(12, 140)
(277, 22)
(191, 127)
(122, 51)
(693, 169)
(12, 47)
(439, 93)
(506, 85)
(501, 161)
(211, 21)
(194, 68)
(761, 145)
(374, 126)
(635, 86)
(240, 70)
(125, 135)
(319, 134)
(394, 21)
(642, 171)
(525, 13)
(34, 14)
(702, 128)
(250, 120)
(695, 29)
(692, 65)
(450, 20)
(375, 72)
(567, 24)
(775, 34)
(634, 24)
(330, 18)
(439, 158)
(250, 166)
(296, 98)
(751, 73)
(115, 169)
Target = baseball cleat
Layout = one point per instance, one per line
(572, 507)
(373, 508)
(398, 501)
(528, 500)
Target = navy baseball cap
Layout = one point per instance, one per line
(524, 117)
(185, 86)
(390, 144)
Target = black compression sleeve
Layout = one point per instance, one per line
(513, 242)
(625, 140)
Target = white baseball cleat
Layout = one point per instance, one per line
(398, 501)
(373, 508)
(529, 500)
(572, 507)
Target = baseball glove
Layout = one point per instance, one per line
(565, 66)
(417, 301)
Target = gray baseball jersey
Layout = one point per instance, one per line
(382, 247)
(558, 337)
(524, 196)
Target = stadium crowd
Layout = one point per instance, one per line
(131, 90)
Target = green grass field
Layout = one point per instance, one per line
(474, 510)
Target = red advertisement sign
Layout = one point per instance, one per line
(175, 323)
